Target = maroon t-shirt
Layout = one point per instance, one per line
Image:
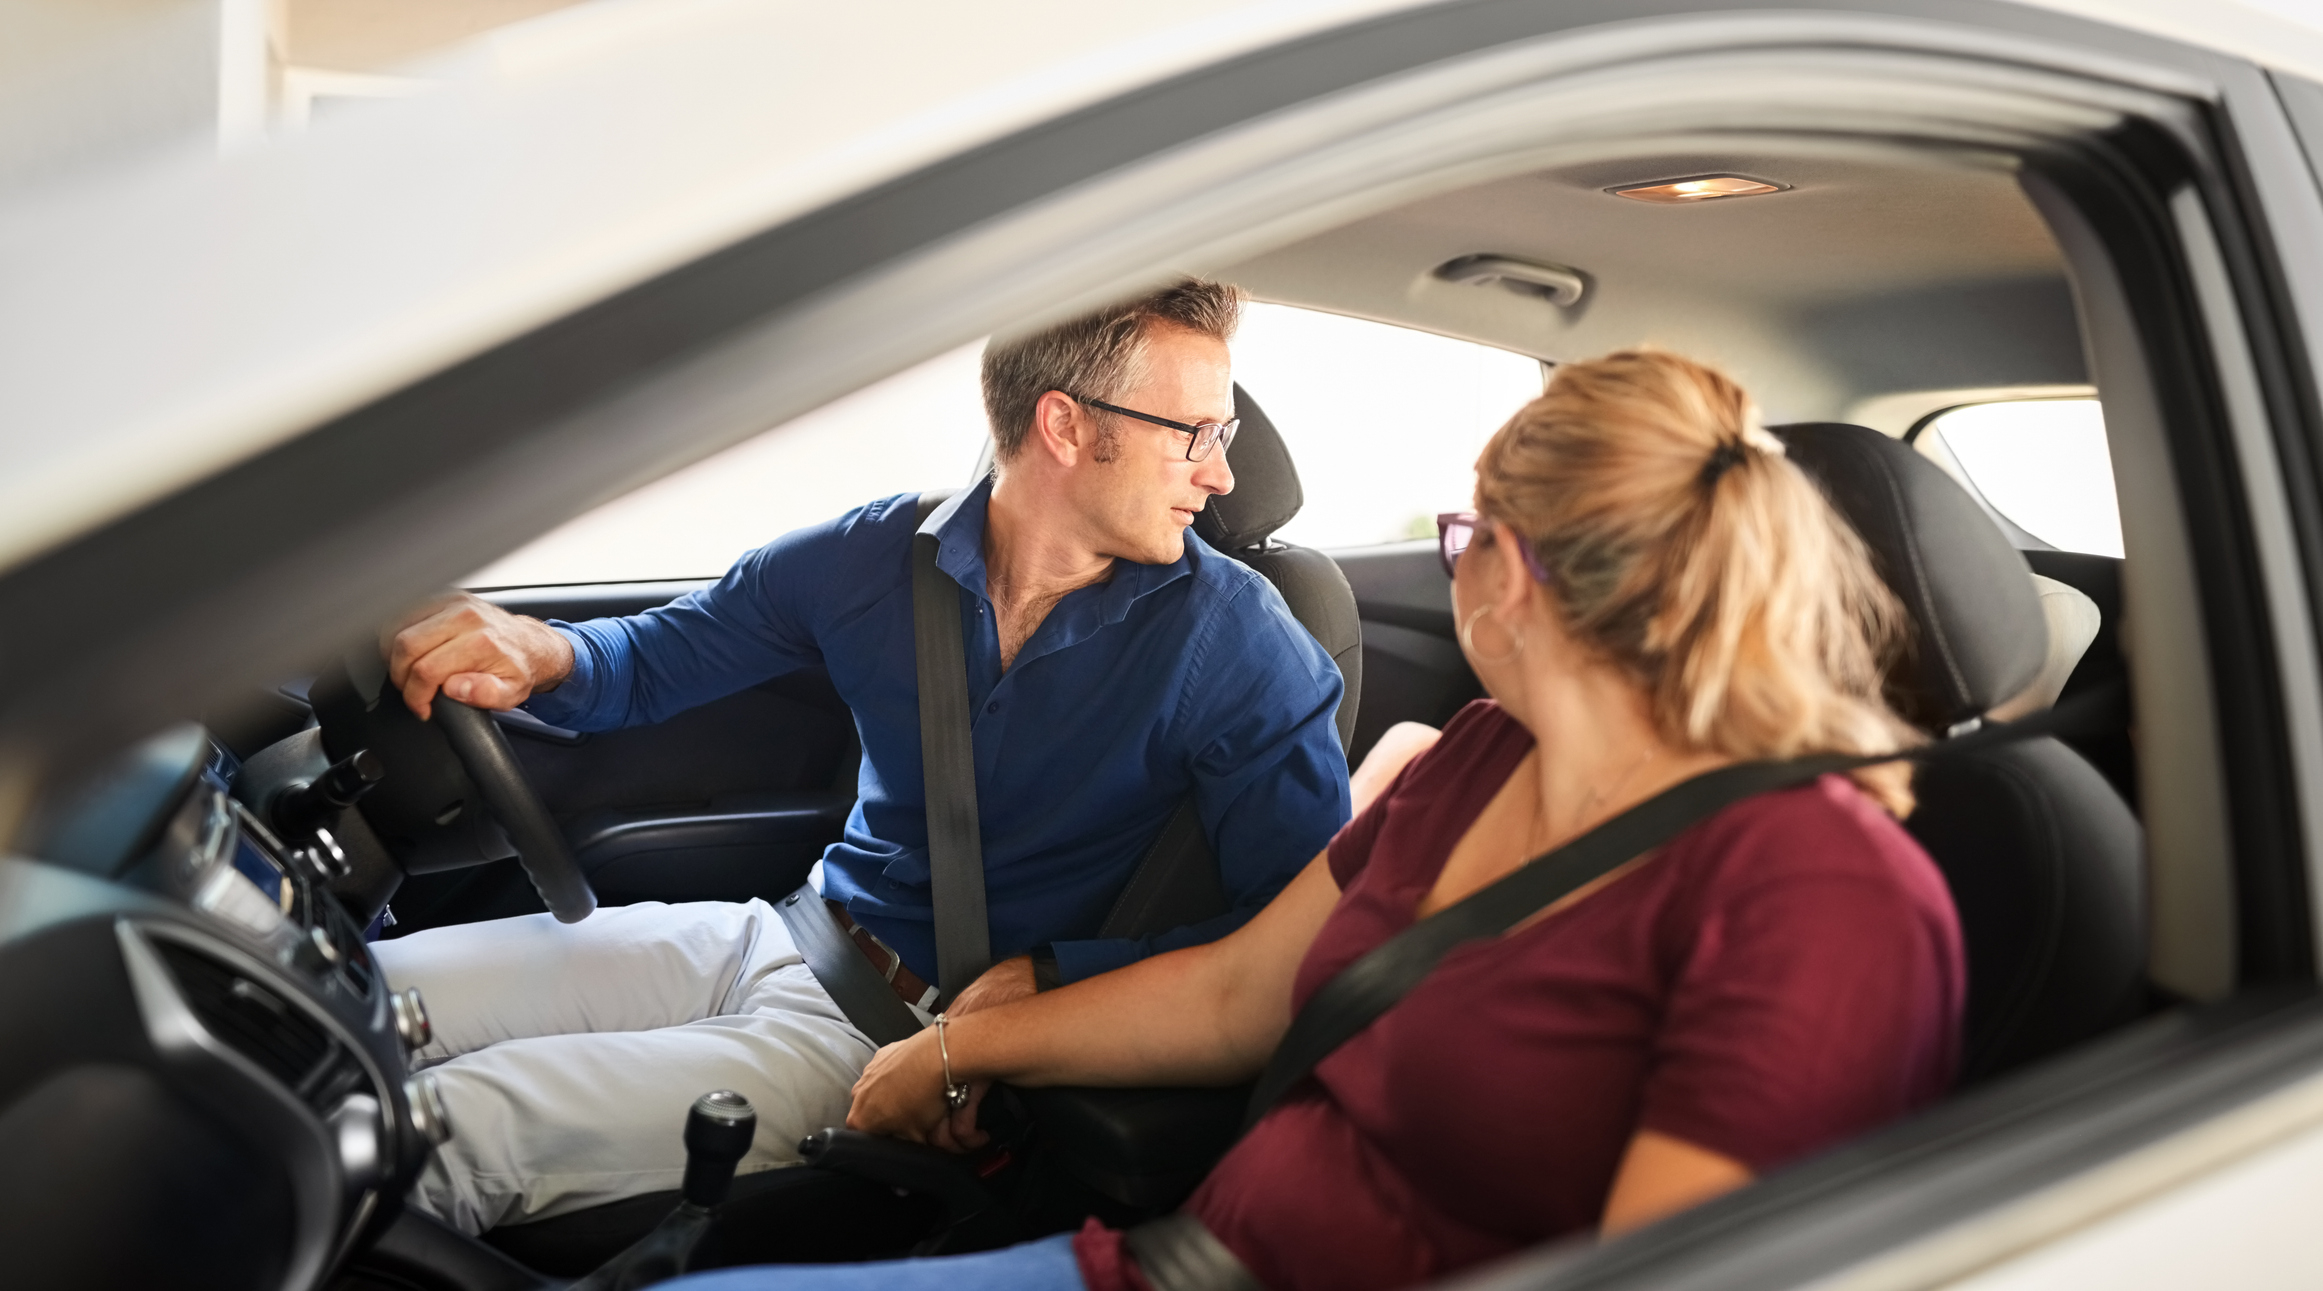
(1780, 977)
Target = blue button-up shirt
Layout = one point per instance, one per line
(1160, 681)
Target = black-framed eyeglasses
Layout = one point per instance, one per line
(1206, 434)
(1456, 529)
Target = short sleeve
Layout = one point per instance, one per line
(1441, 789)
(1808, 1008)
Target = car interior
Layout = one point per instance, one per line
(1859, 279)
(1857, 290)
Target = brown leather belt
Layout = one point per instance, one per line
(905, 983)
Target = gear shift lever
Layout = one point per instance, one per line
(719, 1130)
(718, 1134)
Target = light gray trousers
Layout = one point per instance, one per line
(568, 1054)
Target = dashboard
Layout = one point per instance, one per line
(203, 1075)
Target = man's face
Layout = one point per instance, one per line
(1140, 493)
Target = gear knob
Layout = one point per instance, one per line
(719, 1130)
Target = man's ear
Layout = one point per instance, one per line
(1060, 428)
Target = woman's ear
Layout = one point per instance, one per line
(1512, 580)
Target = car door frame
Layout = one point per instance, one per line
(1055, 217)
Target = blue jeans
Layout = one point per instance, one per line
(1045, 1265)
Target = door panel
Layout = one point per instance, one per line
(740, 846)
(728, 801)
(790, 733)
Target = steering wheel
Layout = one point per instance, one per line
(540, 846)
(439, 772)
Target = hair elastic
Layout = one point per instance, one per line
(1728, 455)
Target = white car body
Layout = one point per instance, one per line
(168, 318)
(163, 322)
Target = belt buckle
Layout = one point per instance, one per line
(894, 961)
(859, 934)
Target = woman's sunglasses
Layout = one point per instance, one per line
(1456, 529)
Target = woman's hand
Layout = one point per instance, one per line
(901, 1095)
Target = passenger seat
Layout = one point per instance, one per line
(2045, 861)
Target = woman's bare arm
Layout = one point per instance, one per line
(1205, 1015)
(1661, 1175)
(1390, 753)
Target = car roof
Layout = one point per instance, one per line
(180, 313)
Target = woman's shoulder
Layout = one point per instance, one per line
(1481, 735)
(1435, 796)
(1822, 832)
(1482, 724)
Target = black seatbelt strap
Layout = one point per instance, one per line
(1175, 883)
(955, 839)
(842, 971)
(1374, 983)
(948, 766)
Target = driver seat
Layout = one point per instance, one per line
(1144, 1149)
(1267, 495)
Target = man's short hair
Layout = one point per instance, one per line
(1100, 355)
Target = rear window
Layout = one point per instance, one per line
(2040, 464)
(1384, 422)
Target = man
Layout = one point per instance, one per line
(1115, 664)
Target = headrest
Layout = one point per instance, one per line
(2073, 623)
(1266, 486)
(1979, 635)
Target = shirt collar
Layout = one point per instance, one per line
(958, 528)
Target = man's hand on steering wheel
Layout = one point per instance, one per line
(474, 652)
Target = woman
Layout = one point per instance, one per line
(1648, 590)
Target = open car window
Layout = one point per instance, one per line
(919, 429)
(2043, 464)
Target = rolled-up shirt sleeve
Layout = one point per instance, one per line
(1270, 778)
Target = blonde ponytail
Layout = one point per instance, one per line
(1683, 546)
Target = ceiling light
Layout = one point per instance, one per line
(1701, 188)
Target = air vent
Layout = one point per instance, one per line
(257, 1022)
